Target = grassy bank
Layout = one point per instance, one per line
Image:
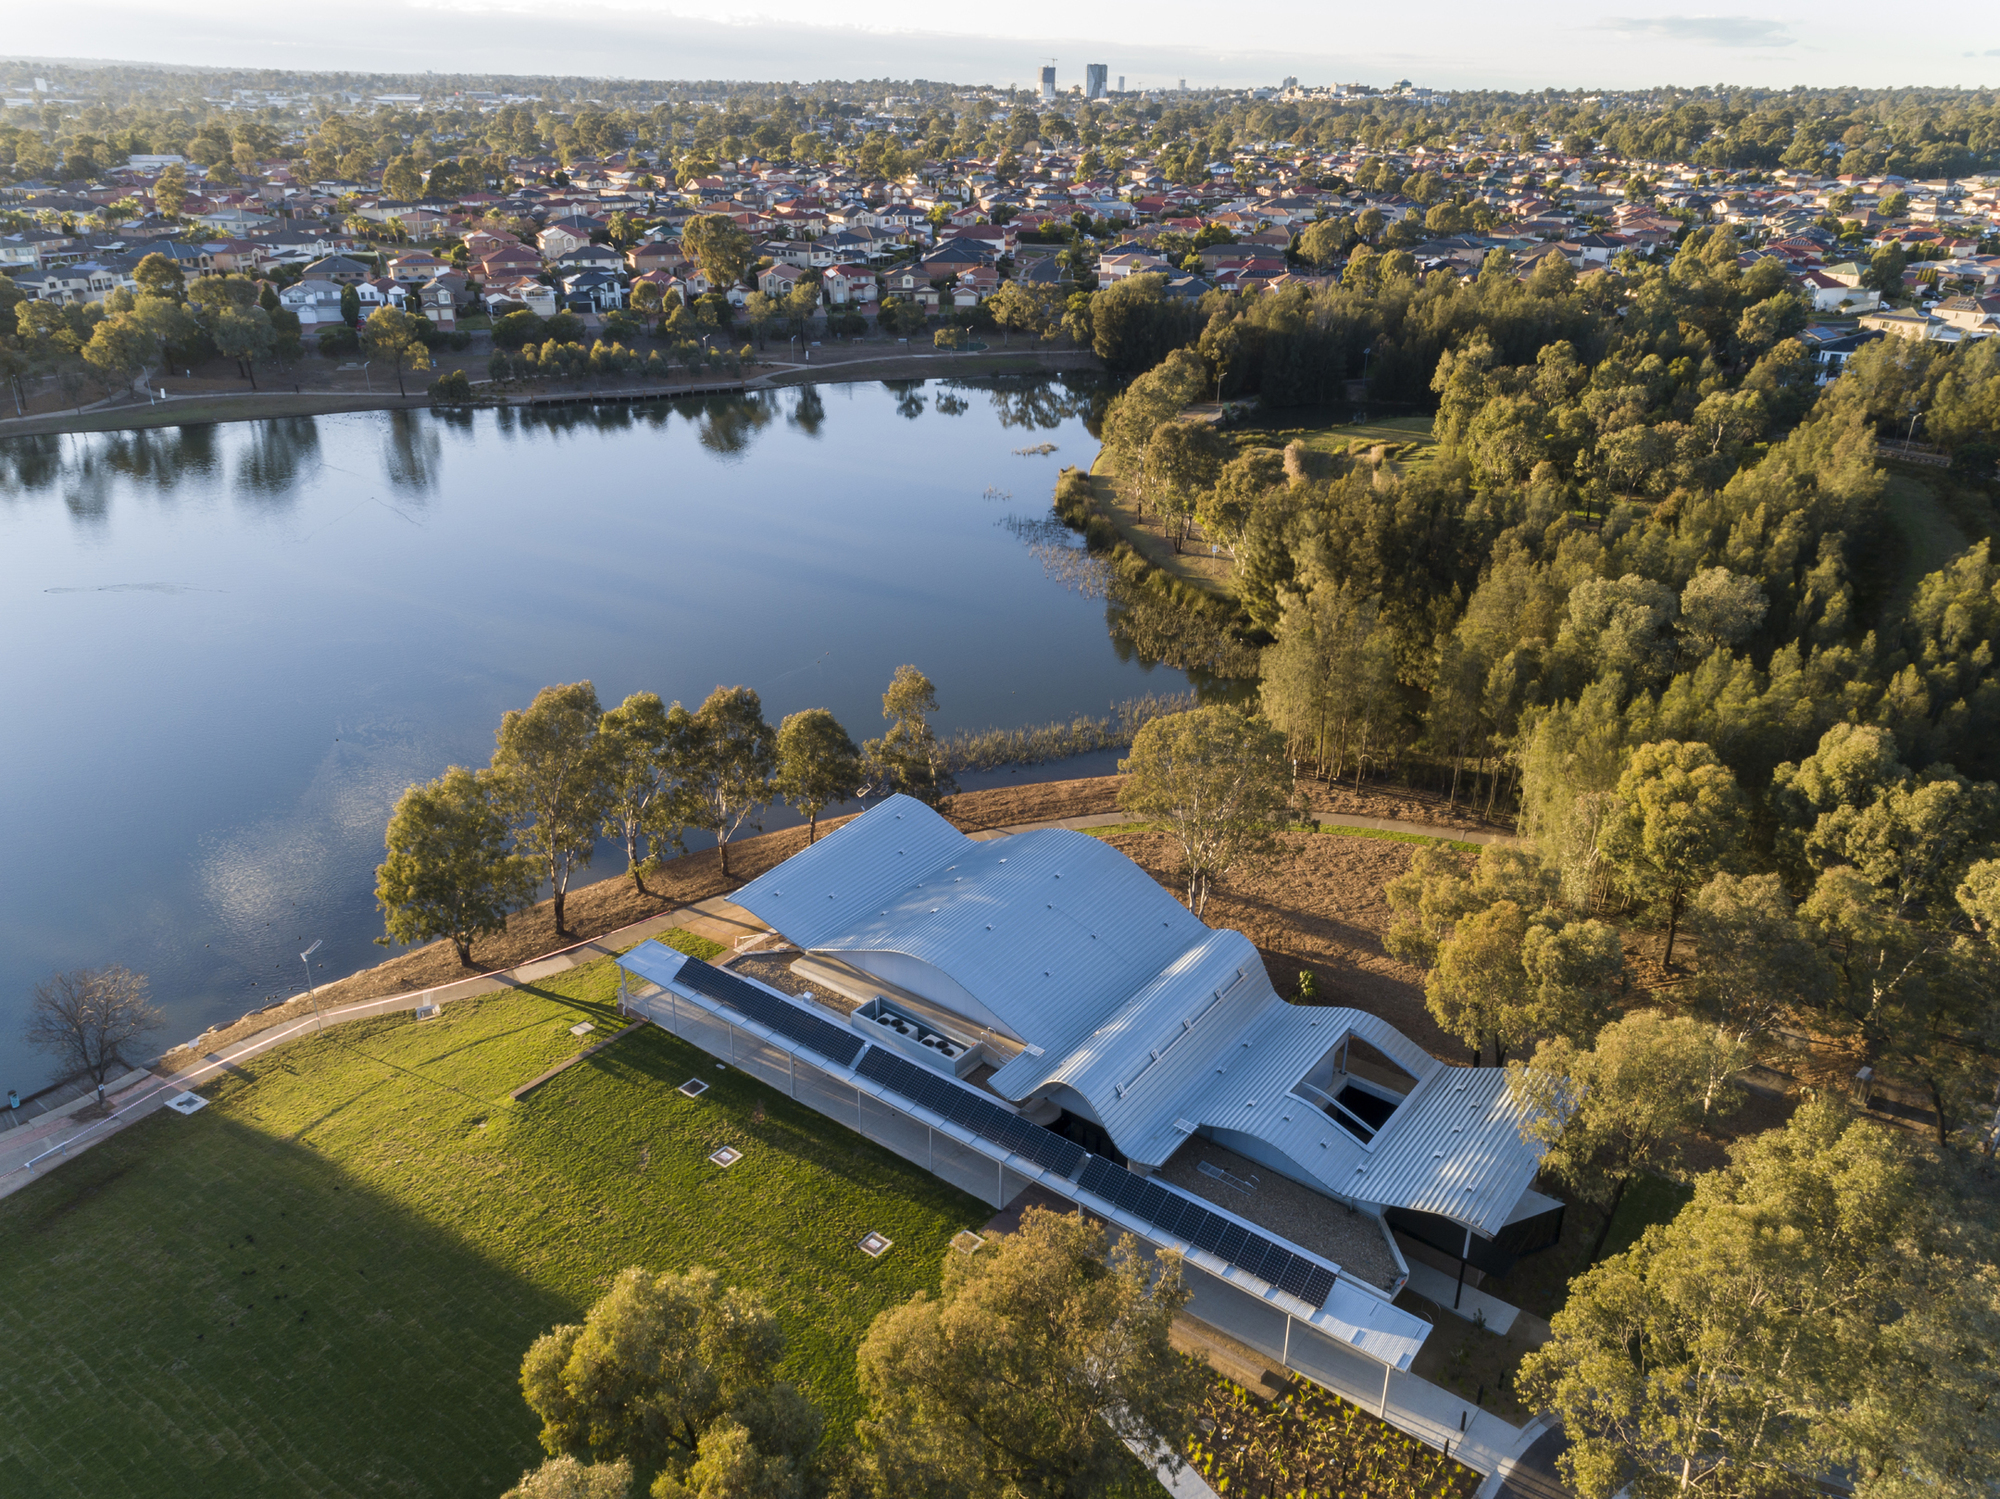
(250, 406)
(323, 1283)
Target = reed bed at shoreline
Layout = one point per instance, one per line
(1036, 744)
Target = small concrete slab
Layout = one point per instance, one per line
(726, 1157)
(1474, 1305)
(875, 1245)
(583, 1028)
(187, 1103)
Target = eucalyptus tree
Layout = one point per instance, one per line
(551, 774)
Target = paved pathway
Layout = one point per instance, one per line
(34, 1145)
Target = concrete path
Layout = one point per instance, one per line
(33, 1150)
(1529, 1470)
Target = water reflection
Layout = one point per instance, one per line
(909, 397)
(287, 692)
(275, 456)
(808, 413)
(410, 451)
(729, 423)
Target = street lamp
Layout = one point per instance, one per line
(303, 957)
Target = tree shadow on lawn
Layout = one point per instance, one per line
(256, 1319)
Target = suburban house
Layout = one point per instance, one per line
(416, 267)
(1979, 316)
(778, 280)
(1830, 295)
(439, 299)
(593, 290)
(81, 281)
(847, 284)
(1035, 1011)
(316, 303)
(338, 268)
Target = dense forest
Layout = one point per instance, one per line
(1651, 569)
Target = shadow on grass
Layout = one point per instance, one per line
(255, 1319)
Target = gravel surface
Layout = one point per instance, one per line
(1351, 1239)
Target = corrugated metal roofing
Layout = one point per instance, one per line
(901, 879)
(1158, 1023)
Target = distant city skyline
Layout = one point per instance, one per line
(1461, 46)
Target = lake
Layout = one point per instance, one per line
(234, 646)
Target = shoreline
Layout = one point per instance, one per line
(264, 405)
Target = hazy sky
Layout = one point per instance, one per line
(1445, 43)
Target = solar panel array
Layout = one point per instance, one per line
(1184, 1218)
(949, 1100)
(1148, 1201)
(834, 1042)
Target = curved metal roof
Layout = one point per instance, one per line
(1157, 1023)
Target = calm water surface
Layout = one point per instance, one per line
(231, 648)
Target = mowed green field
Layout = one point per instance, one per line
(323, 1283)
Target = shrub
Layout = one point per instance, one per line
(451, 386)
(499, 366)
(518, 328)
(337, 340)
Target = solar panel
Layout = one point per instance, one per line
(1153, 1200)
(1230, 1244)
(1291, 1279)
(1168, 1219)
(1262, 1258)
(1318, 1285)
(780, 1015)
(1203, 1229)
(1096, 1175)
(1056, 1154)
(1131, 1192)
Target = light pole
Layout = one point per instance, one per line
(303, 957)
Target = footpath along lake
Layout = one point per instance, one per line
(230, 648)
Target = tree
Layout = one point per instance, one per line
(350, 305)
(1627, 1104)
(817, 764)
(1182, 463)
(1825, 1308)
(1675, 817)
(159, 277)
(566, 1478)
(734, 760)
(402, 179)
(551, 776)
(86, 1019)
(1219, 780)
(450, 872)
(1039, 1357)
(909, 758)
(648, 754)
(243, 333)
(1326, 241)
(170, 190)
(719, 247)
(1020, 309)
(662, 1366)
(392, 334)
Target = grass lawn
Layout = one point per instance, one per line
(323, 1283)
(1144, 534)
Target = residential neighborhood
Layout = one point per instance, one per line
(1099, 785)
